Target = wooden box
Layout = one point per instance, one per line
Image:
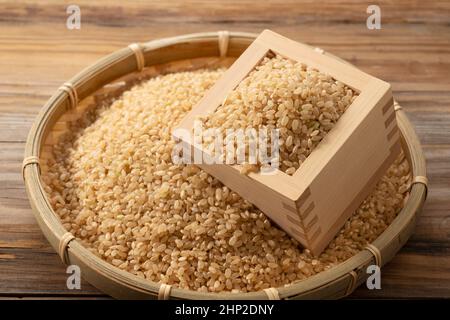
(314, 203)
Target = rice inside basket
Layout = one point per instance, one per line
(113, 185)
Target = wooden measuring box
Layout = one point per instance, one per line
(313, 204)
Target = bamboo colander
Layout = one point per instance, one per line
(115, 73)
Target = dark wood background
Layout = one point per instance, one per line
(411, 51)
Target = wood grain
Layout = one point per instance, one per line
(411, 51)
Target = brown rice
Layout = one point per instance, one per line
(114, 187)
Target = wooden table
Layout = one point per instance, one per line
(411, 51)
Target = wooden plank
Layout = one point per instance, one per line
(277, 11)
(30, 267)
(412, 275)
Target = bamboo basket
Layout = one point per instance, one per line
(115, 73)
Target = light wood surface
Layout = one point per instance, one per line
(38, 54)
(353, 155)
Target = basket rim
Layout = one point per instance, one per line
(45, 214)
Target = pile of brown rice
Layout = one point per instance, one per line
(114, 187)
(301, 102)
